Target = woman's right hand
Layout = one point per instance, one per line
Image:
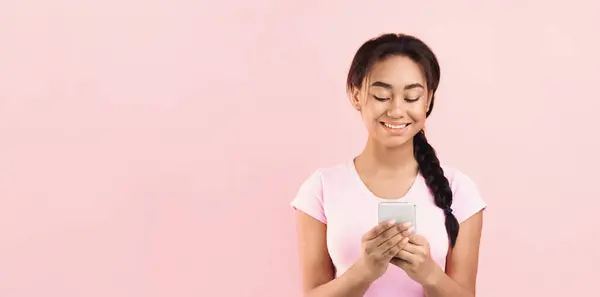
(380, 245)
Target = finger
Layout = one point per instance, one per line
(413, 249)
(405, 230)
(378, 230)
(391, 232)
(395, 243)
(408, 231)
(419, 240)
(391, 252)
(407, 256)
(384, 237)
(404, 242)
(389, 244)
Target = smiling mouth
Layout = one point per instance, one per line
(392, 126)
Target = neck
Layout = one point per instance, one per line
(378, 158)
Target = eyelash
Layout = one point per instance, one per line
(407, 99)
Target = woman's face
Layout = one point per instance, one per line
(393, 101)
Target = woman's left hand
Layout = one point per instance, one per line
(415, 259)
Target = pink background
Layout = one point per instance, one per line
(151, 148)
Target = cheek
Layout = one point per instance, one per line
(418, 112)
(373, 112)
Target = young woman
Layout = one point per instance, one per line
(344, 252)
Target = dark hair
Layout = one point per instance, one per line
(386, 45)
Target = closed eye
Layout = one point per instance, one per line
(406, 99)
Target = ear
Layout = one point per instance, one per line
(354, 96)
(429, 100)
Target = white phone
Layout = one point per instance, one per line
(400, 211)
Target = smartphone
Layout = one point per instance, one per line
(400, 211)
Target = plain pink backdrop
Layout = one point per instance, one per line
(151, 148)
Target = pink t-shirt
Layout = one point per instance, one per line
(337, 197)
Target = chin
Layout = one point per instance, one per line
(394, 142)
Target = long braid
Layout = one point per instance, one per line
(438, 184)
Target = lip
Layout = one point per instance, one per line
(395, 131)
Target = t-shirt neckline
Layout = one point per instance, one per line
(354, 172)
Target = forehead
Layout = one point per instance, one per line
(397, 71)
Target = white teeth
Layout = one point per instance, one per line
(395, 126)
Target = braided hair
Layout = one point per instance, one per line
(387, 45)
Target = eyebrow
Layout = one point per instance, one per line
(388, 86)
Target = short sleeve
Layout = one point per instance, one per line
(467, 199)
(309, 198)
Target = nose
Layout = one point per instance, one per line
(396, 109)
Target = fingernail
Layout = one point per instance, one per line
(407, 224)
(391, 222)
